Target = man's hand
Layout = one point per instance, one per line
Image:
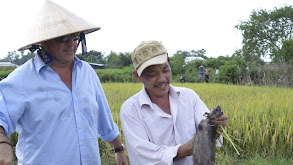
(120, 158)
(6, 151)
(223, 121)
(6, 154)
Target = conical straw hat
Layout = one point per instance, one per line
(55, 21)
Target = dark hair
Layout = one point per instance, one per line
(169, 61)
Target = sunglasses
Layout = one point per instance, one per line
(74, 36)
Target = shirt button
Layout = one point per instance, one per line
(81, 143)
(83, 160)
(79, 126)
(76, 111)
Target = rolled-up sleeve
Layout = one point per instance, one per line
(108, 130)
(4, 117)
(9, 115)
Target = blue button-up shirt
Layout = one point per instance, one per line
(54, 124)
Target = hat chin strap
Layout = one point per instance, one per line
(47, 57)
(83, 43)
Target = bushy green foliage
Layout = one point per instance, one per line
(233, 71)
(16, 58)
(229, 73)
(116, 75)
(177, 62)
(5, 71)
(266, 33)
(118, 61)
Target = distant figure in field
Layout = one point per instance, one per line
(200, 74)
(246, 80)
(207, 72)
(182, 78)
(217, 74)
(281, 81)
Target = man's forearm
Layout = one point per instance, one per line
(185, 150)
(6, 151)
(3, 135)
(116, 142)
(119, 151)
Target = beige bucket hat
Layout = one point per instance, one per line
(148, 53)
(55, 21)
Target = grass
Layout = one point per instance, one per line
(259, 118)
(255, 160)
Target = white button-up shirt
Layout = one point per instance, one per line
(151, 135)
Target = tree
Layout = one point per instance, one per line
(112, 61)
(125, 59)
(266, 32)
(177, 62)
(25, 57)
(97, 55)
(16, 58)
(199, 53)
(286, 52)
(234, 70)
(11, 57)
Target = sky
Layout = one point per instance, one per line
(179, 24)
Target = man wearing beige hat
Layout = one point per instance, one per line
(55, 102)
(159, 122)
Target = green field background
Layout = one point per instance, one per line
(259, 118)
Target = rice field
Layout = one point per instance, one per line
(259, 118)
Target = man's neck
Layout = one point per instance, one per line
(162, 102)
(65, 72)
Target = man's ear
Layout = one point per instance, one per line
(136, 76)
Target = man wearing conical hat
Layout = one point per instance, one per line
(55, 102)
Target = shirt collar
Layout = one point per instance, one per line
(39, 63)
(77, 62)
(145, 99)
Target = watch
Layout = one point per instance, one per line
(118, 149)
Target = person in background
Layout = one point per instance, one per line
(281, 81)
(217, 73)
(55, 102)
(182, 78)
(207, 72)
(246, 80)
(200, 74)
(160, 121)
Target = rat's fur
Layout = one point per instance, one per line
(205, 139)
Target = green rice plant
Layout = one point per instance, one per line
(116, 94)
(259, 118)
